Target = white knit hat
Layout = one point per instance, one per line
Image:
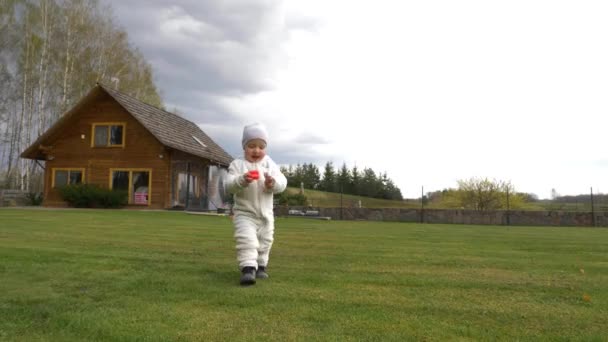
(254, 131)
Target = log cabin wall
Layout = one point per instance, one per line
(142, 151)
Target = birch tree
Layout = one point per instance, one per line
(51, 54)
(73, 32)
(7, 38)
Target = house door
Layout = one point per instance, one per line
(196, 186)
(189, 186)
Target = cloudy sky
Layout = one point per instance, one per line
(428, 91)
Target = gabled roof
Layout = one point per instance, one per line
(171, 130)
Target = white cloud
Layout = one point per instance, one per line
(433, 92)
(428, 91)
(177, 24)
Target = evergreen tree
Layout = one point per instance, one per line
(355, 188)
(365, 183)
(298, 176)
(369, 183)
(311, 176)
(328, 183)
(344, 179)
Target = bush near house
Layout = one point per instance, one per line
(93, 196)
(34, 198)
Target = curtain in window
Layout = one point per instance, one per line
(140, 191)
(75, 177)
(120, 180)
(218, 197)
(101, 135)
(116, 135)
(61, 178)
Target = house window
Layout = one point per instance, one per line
(135, 181)
(108, 134)
(62, 177)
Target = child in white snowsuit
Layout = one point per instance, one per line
(253, 181)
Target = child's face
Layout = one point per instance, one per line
(255, 150)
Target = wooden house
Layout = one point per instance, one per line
(113, 140)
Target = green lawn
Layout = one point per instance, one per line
(94, 275)
(325, 199)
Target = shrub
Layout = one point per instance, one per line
(113, 198)
(93, 196)
(292, 199)
(35, 198)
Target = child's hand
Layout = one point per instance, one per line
(268, 181)
(248, 178)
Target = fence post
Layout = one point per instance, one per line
(341, 204)
(592, 209)
(422, 206)
(508, 209)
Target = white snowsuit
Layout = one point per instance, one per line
(253, 210)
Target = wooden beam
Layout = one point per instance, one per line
(45, 149)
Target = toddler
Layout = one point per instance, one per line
(253, 181)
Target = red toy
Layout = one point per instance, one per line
(254, 174)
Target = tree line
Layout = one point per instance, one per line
(479, 194)
(483, 194)
(353, 181)
(52, 52)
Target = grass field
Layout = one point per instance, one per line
(317, 198)
(331, 199)
(93, 275)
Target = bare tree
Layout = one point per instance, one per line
(72, 31)
(484, 194)
(51, 54)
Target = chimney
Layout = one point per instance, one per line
(116, 81)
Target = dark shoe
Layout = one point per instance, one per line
(261, 273)
(248, 276)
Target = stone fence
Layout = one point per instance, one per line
(513, 217)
